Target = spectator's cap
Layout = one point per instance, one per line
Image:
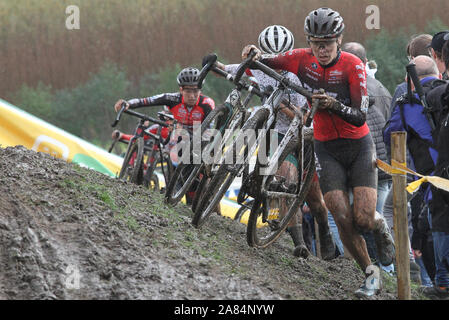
(438, 41)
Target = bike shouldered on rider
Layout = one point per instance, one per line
(344, 148)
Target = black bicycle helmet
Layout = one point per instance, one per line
(323, 23)
(188, 77)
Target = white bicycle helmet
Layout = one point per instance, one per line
(276, 39)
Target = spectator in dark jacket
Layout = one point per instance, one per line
(439, 206)
(408, 116)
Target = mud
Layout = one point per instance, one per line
(67, 232)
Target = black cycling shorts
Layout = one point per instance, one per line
(346, 163)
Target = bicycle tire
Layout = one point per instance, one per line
(200, 190)
(177, 188)
(150, 167)
(242, 210)
(130, 172)
(223, 178)
(154, 183)
(262, 237)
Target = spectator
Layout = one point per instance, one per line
(439, 206)
(417, 46)
(436, 51)
(409, 116)
(376, 121)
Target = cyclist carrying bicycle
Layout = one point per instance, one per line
(343, 145)
(188, 106)
(275, 40)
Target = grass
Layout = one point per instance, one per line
(390, 285)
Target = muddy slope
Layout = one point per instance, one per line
(71, 233)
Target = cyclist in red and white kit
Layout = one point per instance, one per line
(272, 40)
(188, 105)
(343, 143)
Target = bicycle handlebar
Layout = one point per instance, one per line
(282, 79)
(164, 116)
(315, 105)
(243, 66)
(243, 85)
(205, 70)
(136, 114)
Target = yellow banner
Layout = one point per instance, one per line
(18, 127)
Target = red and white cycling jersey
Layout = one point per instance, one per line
(343, 79)
(175, 102)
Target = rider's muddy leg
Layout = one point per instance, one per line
(365, 199)
(337, 202)
(315, 201)
(294, 227)
(367, 219)
(318, 209)
(290, 173)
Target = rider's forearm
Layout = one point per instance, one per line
(354, 116)
(287, 111)
(140, 102)
(157, 100)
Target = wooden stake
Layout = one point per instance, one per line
(317, 240)
(398, 153)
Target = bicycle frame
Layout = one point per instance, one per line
(272, 102)
(155, 138)
(237, 109)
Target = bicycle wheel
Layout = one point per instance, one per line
(245, 207)
(227, 173)
(180, 182)
(266, 223)
(151, 161)
(185, 174)
(132, 163)
(200, 190)
(153, 184)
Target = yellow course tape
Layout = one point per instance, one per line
(401, 168)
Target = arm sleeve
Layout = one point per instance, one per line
(168, 99)
(354, 114)
(231, 68)
(288, 61)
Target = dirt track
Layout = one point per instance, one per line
(71, 233)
